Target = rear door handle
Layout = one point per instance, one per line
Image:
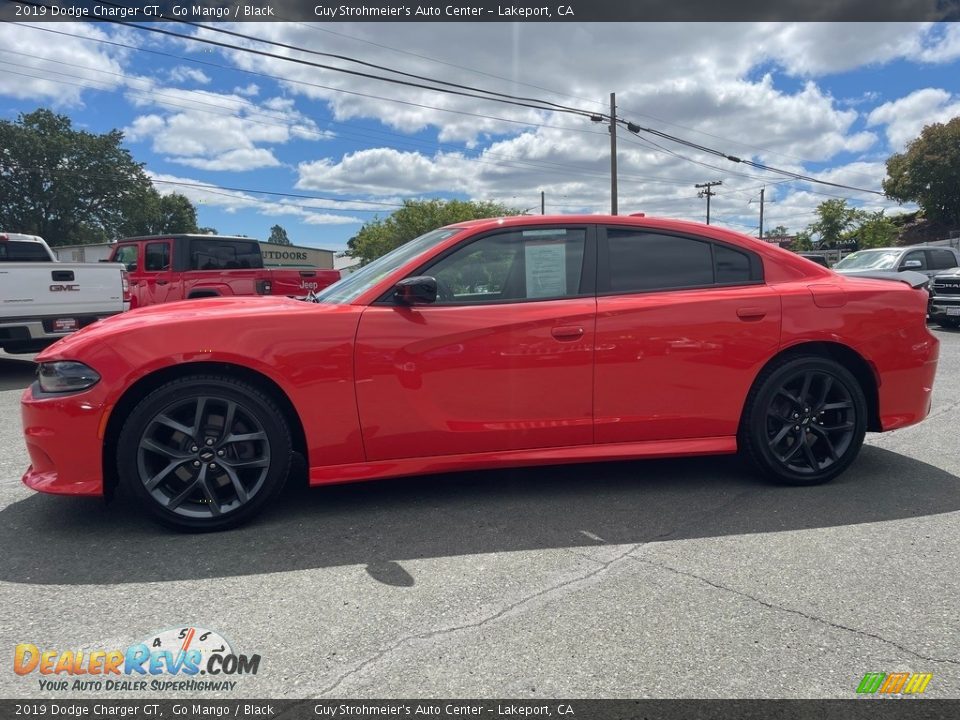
(163, 282)
(569, 332)
(751, 313)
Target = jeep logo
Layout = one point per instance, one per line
(64, 288)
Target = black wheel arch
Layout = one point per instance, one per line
(843, 355)
(147, 384)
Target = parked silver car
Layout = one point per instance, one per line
(930, 261)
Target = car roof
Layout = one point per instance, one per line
(19, 237)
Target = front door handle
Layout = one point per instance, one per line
(163, 282)
(751, 313)
(567, 333)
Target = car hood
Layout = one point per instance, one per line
(177, 315)
(952, 274)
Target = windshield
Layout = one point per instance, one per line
(869, 260)
(354, 285)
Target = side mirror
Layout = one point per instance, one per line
(420, 290)
(911, 264)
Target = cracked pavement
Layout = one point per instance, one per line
(668, 578)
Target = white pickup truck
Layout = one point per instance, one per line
(41, 299)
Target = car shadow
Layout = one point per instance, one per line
(74, 541)
(16, 374)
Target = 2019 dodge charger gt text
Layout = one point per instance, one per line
(502, 342)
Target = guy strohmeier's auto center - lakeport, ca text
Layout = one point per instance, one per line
(421, 12)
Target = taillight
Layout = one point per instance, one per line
(264, 287)
(125, 284)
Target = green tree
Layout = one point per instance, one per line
(278, 236)
(416, 217)
(153, 214)
(876, 230)
(803, 242)
(780, 231)
(928, 172)
(834, 220)
(69, 186)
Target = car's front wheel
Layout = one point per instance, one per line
(804, 421)
(204, 452)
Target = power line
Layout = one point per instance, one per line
(637, 129)
(305, 83)
(158, 98)
(535, 104)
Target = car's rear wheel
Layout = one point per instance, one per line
(204, 452)
(804, 421)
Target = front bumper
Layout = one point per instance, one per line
(64, 440)
(945, 306)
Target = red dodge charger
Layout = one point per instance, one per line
(502, 342)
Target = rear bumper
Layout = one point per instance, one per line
(906, 393)
(39, 330)
(62, 435)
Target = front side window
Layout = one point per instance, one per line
(916, 255)
(127, 254)
(529, 264)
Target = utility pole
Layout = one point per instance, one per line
(543, 203)
(707, 193)
(762, 191)
(613, 153)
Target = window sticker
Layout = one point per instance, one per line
(546, 269)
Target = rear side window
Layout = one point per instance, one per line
(732, 265)
(16, 251)
(223, 255)
(157, 257)
(941, 259)
(639, 261)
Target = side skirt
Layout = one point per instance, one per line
(354, 472)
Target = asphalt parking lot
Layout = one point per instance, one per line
(681, 578)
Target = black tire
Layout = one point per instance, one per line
(804, 421)
(952, 323)
(204, 452)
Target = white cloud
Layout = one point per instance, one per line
(906, 117)
(66, 67)
(203, 195)
(182, 73)
(216, 131)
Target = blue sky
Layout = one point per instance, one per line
(224, 127)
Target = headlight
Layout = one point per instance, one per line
(66, 376)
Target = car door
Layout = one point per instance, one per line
(503, 360)
(683, 325)
(128, 255)
(940, 260)
(157, 275)
(910, 262)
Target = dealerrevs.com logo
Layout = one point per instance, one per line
(181, 659)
